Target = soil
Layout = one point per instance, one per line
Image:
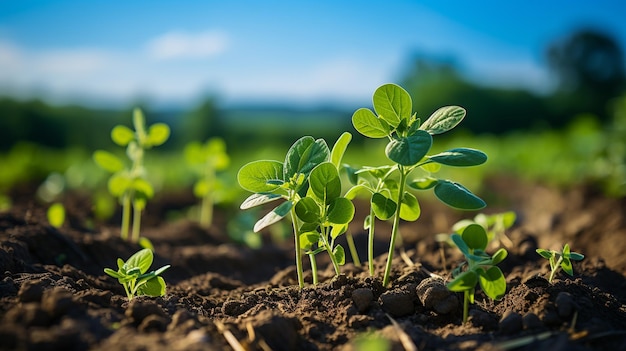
(221, 295)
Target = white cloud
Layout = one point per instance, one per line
(182, 45)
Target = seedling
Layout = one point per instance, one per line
(495, 224)
(208, 158)
(561, 259)
(130, 185)
(479, 268)
(271, 180)
(325, 214)
(409, 143)
(134, 276)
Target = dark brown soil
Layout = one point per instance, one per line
(54, 294)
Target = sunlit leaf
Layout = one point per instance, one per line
(410, 208)
(475, 237)
(340, 255)
(392, 104)
(423, 183)
(384, 208)
(307, 210)
(325, 183)
(108, 161)
(122, 135)
(142, 259)
(304, 155)
(410, 150)
(257, 176)
(460, 157)
(119, 184)
(340, 211)
(56, 215)
(443, 119)
(366, 123)
(492, 282)
(457, 196)
(274, 216)
(154, 287)
(463, 282)
(339, 149)
(544, 253)
(499, 256)
(259, 199)
(308, 239)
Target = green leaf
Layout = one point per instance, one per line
(304, 155)
(366, 123)
(340, 255)
(355, 190)
(308, 239)
(142, 259)
(547, 254)
(338, 230)
(261, 176)
(340, 211)
(384, 208)
(566, 264)
(154, 287)
(492, 282)
(325, 182)
(108, 161)
(376, 172)
(423, 183)
(458, 241)
(460, 157)
(475, 237)
(410, 150)
(113, 273)
(457, 196)
(119, 184)
(409, 208)
(144, 187)
(122, 135)
(392, 104)
(194, 153)
(575, 256)
(56, 215)
(201, 188)
(339, 149)
(307, 210)
(259, 199)
(274, 216)
(443, 119)
(463, 282)
(566, 250)
(158, 134)
(499, 256)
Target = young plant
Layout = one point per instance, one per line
(495, 224)
(325, 214)
(479, 268)
(134, 276)
(130, 185)
(408, 146)
(208, 159)
(561, 259)
(271, 180)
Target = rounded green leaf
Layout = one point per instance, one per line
(340, 211)
(366, 123)
(108, 161)
(325, 182)
(304, 155)
(153, 287)
(410, 150)
(492, 282)
(307, 210)
(355, 190)
(122, 135)
(56, 215)
(475, 237)
(499, 256)
(144, 187)
(457, 196)
(566, 264)
(339, 149)
(384, 208)
(340, 255)
(443, 119)
(458, 241)
(338, 230)
(460, 157)
(308, 239)
(392, 104)
(158, 134)
(463, 282)
(545, 253)
(410, 208)
(119, 184)
(142, 259)
(261, 176)
(423, 183)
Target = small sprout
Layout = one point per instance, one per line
(131, 186)
(56, 215)
(561, 259)
(495, 225)
(134, 276)
(480, 268)
(208, 158)
(408, 147)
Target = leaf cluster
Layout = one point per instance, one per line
(134, 276)
(562, 259)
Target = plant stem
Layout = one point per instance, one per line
(329, 249)
(554, 268)
(296, 233)
(206, 212)
(313, 268)
(125, 216)
(466, 298)
(370, 241)
(352, 247)
(136, 223)
(396, 224)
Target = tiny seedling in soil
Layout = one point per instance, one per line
(561, 259)
(208, 159)
(134, 276)
(271, 180)
(479, 268)
(56, 215)
(324, 213)
(130, 185)
(408, 146)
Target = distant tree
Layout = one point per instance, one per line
(589, 68)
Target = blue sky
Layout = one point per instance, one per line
(175, 52)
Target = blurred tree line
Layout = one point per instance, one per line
(588, 67)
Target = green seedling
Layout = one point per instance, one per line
(561, 259)
(324, 213)
(208, 159)
(408, 146)
(134, 276)
(130, 185)
(495, 225)
(479, 268)
(56, 215)
(271, 180)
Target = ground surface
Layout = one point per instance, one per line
(55, 296)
